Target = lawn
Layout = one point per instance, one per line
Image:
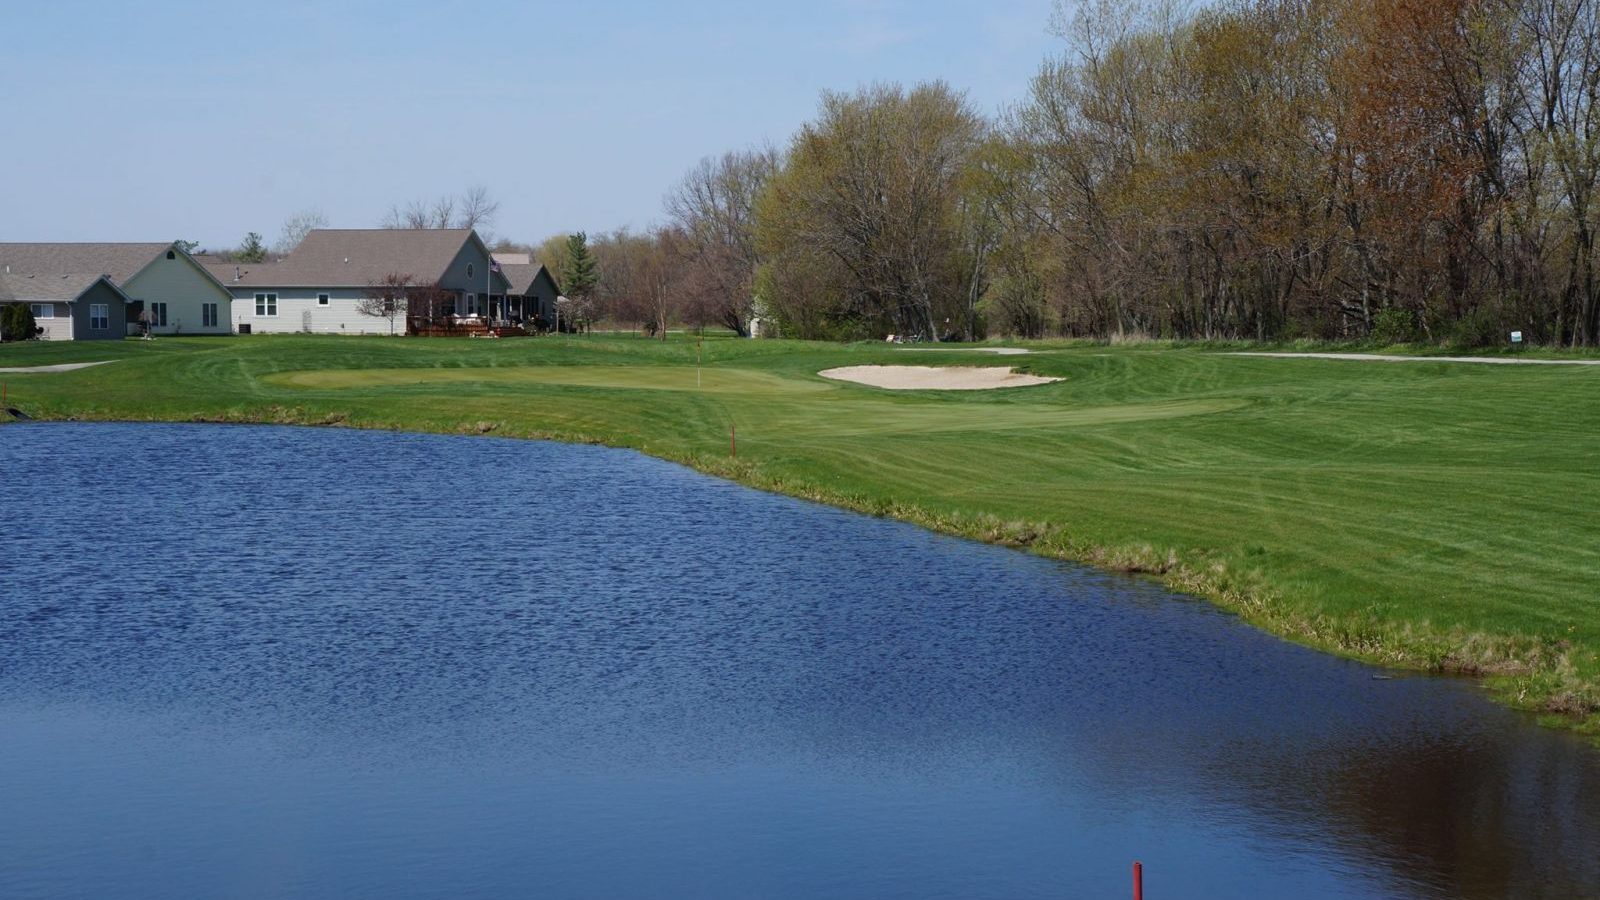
(1431, 515)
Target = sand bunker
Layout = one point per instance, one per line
(931, 378)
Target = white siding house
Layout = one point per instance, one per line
(270, 310)
(179, 296)
(54, 320)
(317, 288)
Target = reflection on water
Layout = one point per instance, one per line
(272, 662)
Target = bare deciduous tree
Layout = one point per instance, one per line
(713, 210)
(295, 229)
(477, 208)
(473, 209)
(387, 298)
(666, 257)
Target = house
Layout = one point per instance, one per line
(531, 292)
(70, 307)
(319, 287)
(161, 280)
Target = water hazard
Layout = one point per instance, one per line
(253, 662)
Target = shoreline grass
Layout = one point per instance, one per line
(1430, 517)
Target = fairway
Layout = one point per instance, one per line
(1434, 515)
(653, 378)
(817, 409)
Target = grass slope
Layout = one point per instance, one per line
(1432, 515)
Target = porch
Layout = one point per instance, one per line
(462, 326)
(465, 314)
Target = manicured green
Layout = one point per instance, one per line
(1425, 514)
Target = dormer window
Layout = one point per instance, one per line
(172, 254)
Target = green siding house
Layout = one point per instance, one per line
(70, 307)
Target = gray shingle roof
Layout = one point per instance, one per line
(120, 261)
(23, 288)
(358, 257)
(244, 274)
(522, 277)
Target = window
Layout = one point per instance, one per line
(42, 310)
(158, 315)
(472, 304)
(99, 316)
(322, 299)
(208, 315)
(266, 304)
(171, 255)
(469, 270)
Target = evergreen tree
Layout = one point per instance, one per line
(16, 323)
(252, 250)
(580, 275)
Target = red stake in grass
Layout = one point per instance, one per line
(733, 441)
(1138, 881)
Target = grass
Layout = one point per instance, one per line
(1435, 516)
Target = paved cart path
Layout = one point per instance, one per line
(1384, 357)
(59, 367)
(998, 351)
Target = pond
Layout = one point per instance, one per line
(266, 662)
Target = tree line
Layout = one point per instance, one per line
(1392, 170)
(1270, 169)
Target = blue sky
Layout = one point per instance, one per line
(204, 120)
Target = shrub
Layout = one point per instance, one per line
(1478, 328)
(1394, 326)
(17, 324)
(1016, 305)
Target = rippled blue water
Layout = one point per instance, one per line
(254, 662)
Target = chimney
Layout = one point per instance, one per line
(236, 275)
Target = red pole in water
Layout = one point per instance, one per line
(1138, 881)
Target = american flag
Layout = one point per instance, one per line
(494, 265)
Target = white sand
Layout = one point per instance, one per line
(932, 378)
(59, 367)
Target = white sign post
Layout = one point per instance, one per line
(1516, 337)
